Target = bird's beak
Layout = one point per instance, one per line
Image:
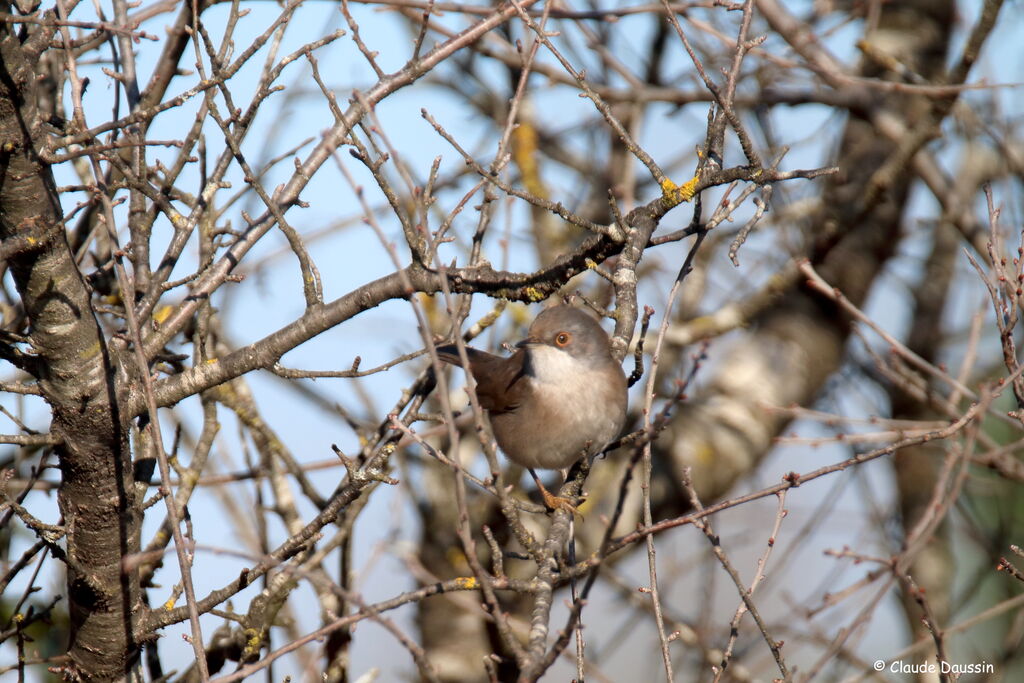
(529, 341)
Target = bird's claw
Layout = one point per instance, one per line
(553, 502)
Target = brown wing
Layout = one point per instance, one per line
(498, 385)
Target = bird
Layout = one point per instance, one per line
(559, 397)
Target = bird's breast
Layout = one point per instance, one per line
(568, 408)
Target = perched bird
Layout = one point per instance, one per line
(561, 396)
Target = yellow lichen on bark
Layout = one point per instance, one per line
(673, 195)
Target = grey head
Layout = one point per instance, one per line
(573, 331)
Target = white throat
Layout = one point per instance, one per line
(549, 365)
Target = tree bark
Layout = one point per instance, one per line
(68, 354)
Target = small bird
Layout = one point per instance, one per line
(561, 396)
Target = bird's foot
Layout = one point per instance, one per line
(553, 502)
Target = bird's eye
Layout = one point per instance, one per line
(562, 338)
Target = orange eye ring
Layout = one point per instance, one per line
(563, 339)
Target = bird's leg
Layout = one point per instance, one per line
(551, 501)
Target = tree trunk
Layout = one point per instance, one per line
(68, 354)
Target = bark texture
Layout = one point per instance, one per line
(68, 354)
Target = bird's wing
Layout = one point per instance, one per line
(499, 381)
